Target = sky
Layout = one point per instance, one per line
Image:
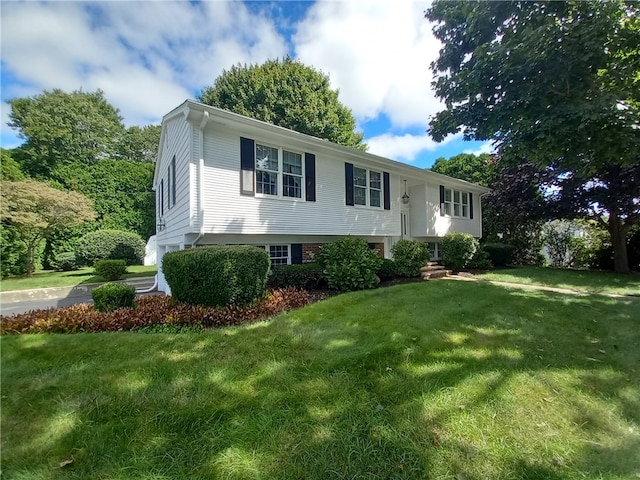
(150, 56)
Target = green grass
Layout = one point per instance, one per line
(431, 380)
(587, 281)
(50, 278)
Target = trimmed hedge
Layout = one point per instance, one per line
(110, 270)
(65, 262)
(112, 296)
(110, 245)
(305, 276)
(458, 249)
(500, 254)
(349, 264)
(409, 257)
(387, 269)
(218, 275)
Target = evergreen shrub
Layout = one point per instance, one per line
(305, 276)
(500, 254)
(112, 296)
(349, 264)
(65, 262)
(110, 245)
(409, 257)
(218, 275)
(110, 270)
(458, 249)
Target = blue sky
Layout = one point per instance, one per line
(149, 56)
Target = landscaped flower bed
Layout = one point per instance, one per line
(153, 311)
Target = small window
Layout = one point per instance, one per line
(359, 186)
(279, 254)
(375, 189)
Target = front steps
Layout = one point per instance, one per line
(434, 270)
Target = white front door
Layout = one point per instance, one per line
(405, 226)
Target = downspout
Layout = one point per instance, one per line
(203, 124)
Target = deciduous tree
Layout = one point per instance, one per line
(555, 83)
(61, 128)
(286, 93)
(33, 209)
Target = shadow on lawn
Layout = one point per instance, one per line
(300, 398)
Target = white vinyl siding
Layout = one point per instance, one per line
(231, 213)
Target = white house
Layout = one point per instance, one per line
(222, 178)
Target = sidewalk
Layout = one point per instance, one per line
(53, 293)
(543, 288)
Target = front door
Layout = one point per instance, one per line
(405, 227)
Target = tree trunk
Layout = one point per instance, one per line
(31, 249)
(618, 234)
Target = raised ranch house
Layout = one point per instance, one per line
(224, 179)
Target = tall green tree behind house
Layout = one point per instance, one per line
(556, 84)
(61, 128)
(289, 94)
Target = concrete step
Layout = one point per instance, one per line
(432, 268)
(436, 274)
(432, 263)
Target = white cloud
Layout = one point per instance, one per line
(405, 147)
(486, 147)
(377, 54)
(147, 56)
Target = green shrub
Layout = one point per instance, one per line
(500, 254)
(306, 276)
(111, 296)
(65, 262)
(110, 245)
(480, 260)
(216, 276)
(458, 249)
(110, 269)
(409, 257)
(349, 264)
(387, 269)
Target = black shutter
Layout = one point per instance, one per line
(386, 190)
(296, 253)
(470, 206)
(247, 166)
(310, 176)
(162, 198)
(442, 200)
(348, 183)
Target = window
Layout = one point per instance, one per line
(456, 203)
(273, 170)
(266, 170)
(367, 187)
(434, 248)
(280, 254)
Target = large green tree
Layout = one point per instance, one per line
(60, 128)
(478, 169)
(553, 83)
(33, 210)
(286, 93)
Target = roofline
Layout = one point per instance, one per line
(367, 158)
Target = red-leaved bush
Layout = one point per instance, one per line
(152, 311)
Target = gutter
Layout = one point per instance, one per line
(203, 124)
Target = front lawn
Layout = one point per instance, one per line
(588, 281)
(434, 380)
(51, 278)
